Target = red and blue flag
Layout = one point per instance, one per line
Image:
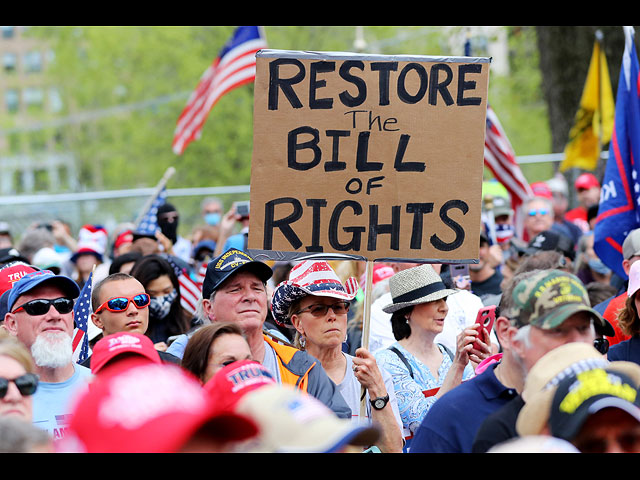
(619, 210)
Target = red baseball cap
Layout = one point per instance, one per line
(12, 272)
(152, 408)
(112, 346)
(122, 238)
(235, 380)
(586, 181)
(541, 189)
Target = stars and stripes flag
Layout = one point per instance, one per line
(234, 66)
(148, 223)
(81, 312)
(500, 158)
(191, 288)
(619, 210)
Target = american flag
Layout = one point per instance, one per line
(234, 66)
(500, 158)
(149, 222)
(81, 312)
(191, 288)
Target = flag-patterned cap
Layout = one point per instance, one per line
(309, 278)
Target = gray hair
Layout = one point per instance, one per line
(544, 200)
(21, 436)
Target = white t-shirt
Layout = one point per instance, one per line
(351, 390)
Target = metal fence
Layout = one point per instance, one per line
(114, 207)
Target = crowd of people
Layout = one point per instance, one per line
(535, 348)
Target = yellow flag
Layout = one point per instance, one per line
(593, 123)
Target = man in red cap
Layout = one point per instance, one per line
(588, 189)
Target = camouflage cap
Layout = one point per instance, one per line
(548, 298)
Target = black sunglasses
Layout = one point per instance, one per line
(41, 306)
(26, 384)
(601, 344)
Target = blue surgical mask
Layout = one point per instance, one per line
(212, 218)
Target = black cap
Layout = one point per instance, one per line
(230, 262)
(580, 395)
(550, 240)
(11, 254)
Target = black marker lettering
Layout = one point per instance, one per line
(283, 224)
(284, 84)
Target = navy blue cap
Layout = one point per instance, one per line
(230, 262)
(3, 305)
(34, 279)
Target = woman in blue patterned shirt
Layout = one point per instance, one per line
(422, 369)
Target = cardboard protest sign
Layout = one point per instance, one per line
(366, 156)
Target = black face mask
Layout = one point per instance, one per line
(168, 222)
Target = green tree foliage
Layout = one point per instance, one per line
(137, 80)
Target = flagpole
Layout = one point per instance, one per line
(365, 325)
(161, 184)
(599, 37)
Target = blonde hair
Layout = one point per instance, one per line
(11, 347)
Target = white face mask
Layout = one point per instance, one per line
(159, 306)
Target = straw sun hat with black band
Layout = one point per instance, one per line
(414, 286)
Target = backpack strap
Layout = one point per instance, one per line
(402, 357)
(446, 349)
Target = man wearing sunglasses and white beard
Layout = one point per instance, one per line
(40, 315)
(120, 304)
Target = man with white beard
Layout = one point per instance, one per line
(40, 315)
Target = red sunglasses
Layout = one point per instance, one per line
(120, 304)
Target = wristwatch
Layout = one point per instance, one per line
(380, 402)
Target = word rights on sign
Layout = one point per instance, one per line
(368, 156)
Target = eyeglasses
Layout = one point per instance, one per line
(542, 211)
(321, 309)
(41, 306)
(120, 304)
(26, 384)
(601, 344)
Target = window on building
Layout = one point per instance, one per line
(9, 62)
(8, 32)
(33, 61)
(12, 100)
(33, 98)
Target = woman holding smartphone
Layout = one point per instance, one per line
(422, 369)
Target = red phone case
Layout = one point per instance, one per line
(486, 317)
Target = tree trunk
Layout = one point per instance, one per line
(565, 53)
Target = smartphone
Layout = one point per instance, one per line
(486, 317)
(242, 209)
(460, 275)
